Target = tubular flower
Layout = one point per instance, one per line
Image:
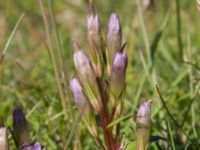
(78, 95)
(143, 121)
(83, 105)
(21, 129)
(94, 31)
(114, 36)
(118, 74)
(88, 78)
(95, 42)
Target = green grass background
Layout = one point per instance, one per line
(27, 80)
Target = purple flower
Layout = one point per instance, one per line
(95, 42)
(93, 24)
(144, 113)
(21, 129)
(88, 78)
(36, 146)
(94, 34)
(143, 121)
(114, 36)
(83, 65)
(78, 94)
(118, 74)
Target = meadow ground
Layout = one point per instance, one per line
(163, 49)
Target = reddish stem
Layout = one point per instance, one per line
(105, 118)
(117, 139)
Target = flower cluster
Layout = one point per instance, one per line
(101, 81)
(98, 89)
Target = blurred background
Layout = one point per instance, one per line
(163, 49)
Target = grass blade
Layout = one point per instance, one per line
(11, 36)
(158, 36)
(52, 55)
(170, 134)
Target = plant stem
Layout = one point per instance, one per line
(105, 118)
(117, 136)
(52, 55)
(11, 37)
(178, 28)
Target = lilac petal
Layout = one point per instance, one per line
(26, 148)
(36, 146)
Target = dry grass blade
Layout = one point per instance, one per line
(11, 37)
(52, 55)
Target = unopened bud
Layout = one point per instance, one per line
(83, 106)
(3, 139)
(83, 65)
(143, 121)
(93, 22)
(118, 74)
(144, 113)
(94, 32)
(88, 78)
(114, 36)
(21, 129)
(79, 97)
(95, 42)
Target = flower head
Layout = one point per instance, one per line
(118, 74)
(94, 34)
(144, 113)
(88, 78)
(114, 36)
(83, 65)
(143, 125)
(21, 129)
(78, 95)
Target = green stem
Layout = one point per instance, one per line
(178, 28)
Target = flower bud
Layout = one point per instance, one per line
(143, 121)
(21, 129)
(83, 106)
(83, 65)
(114, 36)
(95, 42)
(98, 68)
(79, 97)
(144, 113)
(118, 74)
(94, 33)
(88, 78)
(3, 139)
